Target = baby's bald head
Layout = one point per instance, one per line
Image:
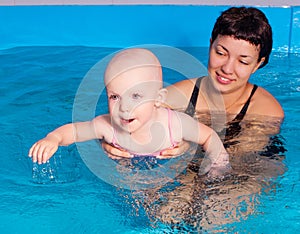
(134, 58)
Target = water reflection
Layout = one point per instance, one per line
(183, 200)
(194, 202)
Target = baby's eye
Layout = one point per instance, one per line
(136, 96)
(114, 97)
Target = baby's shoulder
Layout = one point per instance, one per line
(181, 118)
(103, 127)
(103, 119)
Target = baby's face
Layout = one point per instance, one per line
(131, 97)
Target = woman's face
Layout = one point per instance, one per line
(231, 62)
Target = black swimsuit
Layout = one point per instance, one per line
(234, 127)
(274, 150)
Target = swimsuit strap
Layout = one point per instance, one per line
(243, 111)
(114, 141)
(191, 109)
(170, 127)
(234, 128)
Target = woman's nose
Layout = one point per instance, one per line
(228, 66)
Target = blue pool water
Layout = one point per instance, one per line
(38, 88)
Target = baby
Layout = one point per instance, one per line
(137, 120)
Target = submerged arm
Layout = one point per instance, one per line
(216, 157)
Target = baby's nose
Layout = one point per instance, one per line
(125, 106)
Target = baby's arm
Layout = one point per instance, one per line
(43, 150)
(199, 133)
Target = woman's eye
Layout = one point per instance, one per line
(220, 52)
(244, 62)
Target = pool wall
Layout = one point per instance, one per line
(128, 23)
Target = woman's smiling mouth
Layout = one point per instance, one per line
(223, 80)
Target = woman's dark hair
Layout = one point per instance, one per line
(249, 24)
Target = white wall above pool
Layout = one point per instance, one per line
(128, 25)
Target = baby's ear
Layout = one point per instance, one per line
(161, 97)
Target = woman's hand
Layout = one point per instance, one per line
(181, 148)
(114, 152)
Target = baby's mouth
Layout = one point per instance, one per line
(127, 121)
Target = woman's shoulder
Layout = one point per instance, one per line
(179, 93)
(264, 103)
(185, 85)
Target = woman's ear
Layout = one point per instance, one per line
(210, 43)
(161, 97)
(262, 60)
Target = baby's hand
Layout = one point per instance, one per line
(218, 168)
(43, 150)
(219, 171)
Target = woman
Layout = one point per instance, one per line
(241, 43)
